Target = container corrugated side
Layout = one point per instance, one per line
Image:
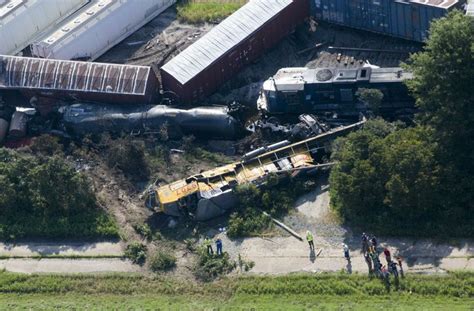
(25, 23)
(97, 34)
(396, 18)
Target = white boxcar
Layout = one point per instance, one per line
(23, 21)
(97, 27)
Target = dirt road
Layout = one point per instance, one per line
(35, 249)
(50, 265)
(279, 255)
(38, 257)
(286, 254)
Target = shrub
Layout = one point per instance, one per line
(46, 197)
(136, 252)
(46, 145)
(244, 264)
(144, 230)
(162, 261)
(208, 267)
(371, 97)
(129, 156)
(276, 198)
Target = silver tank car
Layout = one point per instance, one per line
(203, 122)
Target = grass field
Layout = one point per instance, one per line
(239, 302)
(200, 11)
(294, 292)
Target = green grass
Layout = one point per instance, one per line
(239, 302)
(293, 292)
(200, 11)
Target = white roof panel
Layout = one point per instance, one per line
(223, 38)
(22, 21)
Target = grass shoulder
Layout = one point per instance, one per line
(201, 11)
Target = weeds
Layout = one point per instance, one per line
(162, 261)
(136, 252)
(276, 198)
(193, 11)
(128, 155)
(245, 265)
(455, 285)
(144, 230)
(208, 267)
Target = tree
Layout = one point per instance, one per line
(371, 97)
(46, 197)
(443, 87)
(391, 183)
(418, 180)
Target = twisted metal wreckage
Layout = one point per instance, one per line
(211, 193)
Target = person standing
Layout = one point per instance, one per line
(369, 263)
(218, 247)
(373, 241)
(208, 244)
(310, 238)
(365, 243)
(399, 259)
(388, 256)
(346, 252)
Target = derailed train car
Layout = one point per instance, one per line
(407, 19)
(211, 193)
(206, 122)
(74, 80)
(97, 27)
(23, 21)
(330, 91)
(236, 42)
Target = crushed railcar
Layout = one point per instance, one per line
(211, 193)
(237, 41)
(23, 21)
(206, 122)
(407, 19)
(97, 27)
(330, 91)
(73, 80)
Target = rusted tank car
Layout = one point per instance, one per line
(72, 80)
(240, 39)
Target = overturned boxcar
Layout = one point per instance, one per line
(74, 80)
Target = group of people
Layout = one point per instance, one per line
(371, 253)
(208, 244)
